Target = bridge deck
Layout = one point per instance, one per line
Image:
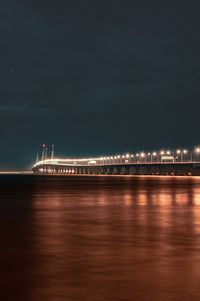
(144, 168)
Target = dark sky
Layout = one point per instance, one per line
(97, 76)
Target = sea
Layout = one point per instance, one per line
(99, 238)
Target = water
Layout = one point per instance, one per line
(99, 238)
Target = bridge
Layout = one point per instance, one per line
(164, 162)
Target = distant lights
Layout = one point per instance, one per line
(184, 151)
(163, 155)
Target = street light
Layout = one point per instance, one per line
(132, 158)
(154, 154)
(119, 157)
(184, 153)
(127, 158)
(178, 153)
(161, 154)
(142, 155)
(197, 150)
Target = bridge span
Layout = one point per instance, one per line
(81, 167)
(164, 162)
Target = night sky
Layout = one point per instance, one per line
(97, 77)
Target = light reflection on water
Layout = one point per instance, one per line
(101, 238)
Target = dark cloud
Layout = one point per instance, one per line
(97, 76)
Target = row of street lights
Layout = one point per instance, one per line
(179, 155)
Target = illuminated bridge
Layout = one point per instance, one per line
(163, 162)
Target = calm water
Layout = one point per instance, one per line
(99, 238)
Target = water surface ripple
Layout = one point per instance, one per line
(99, 238)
